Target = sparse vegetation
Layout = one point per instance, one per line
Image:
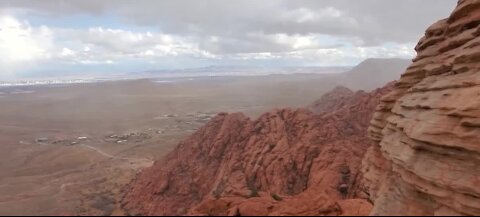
(216, 194)
(218, 190)
(276, 197)
(271, 146)
(252, 187)
(345, 179)
(254, 192)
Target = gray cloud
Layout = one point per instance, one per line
(374, 21)
(251, 26)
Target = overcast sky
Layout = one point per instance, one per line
(78, 36)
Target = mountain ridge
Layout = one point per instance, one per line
(287, 162)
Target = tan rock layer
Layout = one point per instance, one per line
(285, 163)
(427, 157)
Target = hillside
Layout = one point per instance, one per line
(374, 73)
(287, 162)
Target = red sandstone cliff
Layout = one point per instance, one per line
(427, 157)
(288, 162)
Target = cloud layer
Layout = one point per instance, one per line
(182, 33)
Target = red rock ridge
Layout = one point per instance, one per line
(333, 100)
(426, 160)
(288, 162)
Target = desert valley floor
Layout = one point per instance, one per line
(76, 145)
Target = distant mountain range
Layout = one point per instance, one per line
(368, 75)
(374, 73)
(244, 71)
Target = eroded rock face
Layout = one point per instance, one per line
(288, 162)
(427, 157)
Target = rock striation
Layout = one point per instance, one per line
(287, 162)
(426, 160)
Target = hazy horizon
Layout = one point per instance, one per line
(370, 64)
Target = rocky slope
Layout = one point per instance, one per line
(287, 162)
(332, 100)
(374, 73)
(427, 157)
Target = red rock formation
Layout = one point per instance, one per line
(285, 163)
(334, 100)
(427, 157)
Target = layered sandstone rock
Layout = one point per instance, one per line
(427, 157)
(285, 163)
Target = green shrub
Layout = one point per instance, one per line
(276, 197)
(254, 192)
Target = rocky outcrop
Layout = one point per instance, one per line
(333, 100)
(427, 157)
(287, 162)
